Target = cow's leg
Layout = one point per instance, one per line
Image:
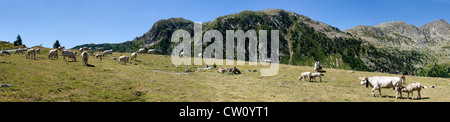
(396, 90)
(379, 90)
(418, 96)
(373, 90)
(320, 77)
(412, 95)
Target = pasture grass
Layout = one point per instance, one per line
(158, 80)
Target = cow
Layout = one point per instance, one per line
(378, 82)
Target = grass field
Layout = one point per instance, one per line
(156, 79)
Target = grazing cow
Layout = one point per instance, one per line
(133, 56)
(304, 76)
(38, 50)
(123, 59)
(151, 51)
(69, 54)
(316, 74)
(100, 49)
(378, 82)
(20, 50)
(99, 56)
(52, 54)
(5, 52)
(31, 53)
(91, 52)
(85, 48)
(85, 57)
(61, 48)
(106, 52)
(142, 50)
(413, 87)
(81, 50)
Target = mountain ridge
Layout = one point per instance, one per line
(302, 41)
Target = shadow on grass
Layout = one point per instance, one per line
(405, 97)
(90, 65)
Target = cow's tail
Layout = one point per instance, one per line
(403, 79)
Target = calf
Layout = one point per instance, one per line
(413, 87)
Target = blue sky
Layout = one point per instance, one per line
(75, 22)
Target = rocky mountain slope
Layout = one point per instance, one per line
(302, 41)
(432, 38)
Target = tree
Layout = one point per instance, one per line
(56, 44)
(18, 41)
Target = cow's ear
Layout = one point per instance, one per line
(360, 78)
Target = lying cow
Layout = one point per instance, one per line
(378, 82)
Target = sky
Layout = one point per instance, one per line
(76, 22)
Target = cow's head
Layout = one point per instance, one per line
(364, 80)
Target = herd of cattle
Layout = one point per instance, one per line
(376, 82)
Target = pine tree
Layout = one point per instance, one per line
(56, 44)
(18, 41)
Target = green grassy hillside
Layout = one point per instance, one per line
(157, 79)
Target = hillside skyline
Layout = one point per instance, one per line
(83, 22)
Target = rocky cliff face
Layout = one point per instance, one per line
(433, 37)
(163, 29)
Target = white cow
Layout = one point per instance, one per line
(61, 48)
(317, 74)
(53, 54)
(317, 67)
(31, 53)
(133, 56)
(378, 82)
(20, 50)
(106, 52)
(38, 50)
(100, 49)
(123, 59)
(142, 50)
(69, 54)
(304, 76)
(151, 51)
(85, 57)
